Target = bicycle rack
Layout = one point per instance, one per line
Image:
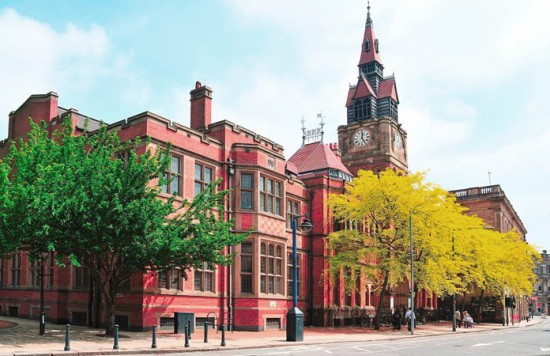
(215, 323)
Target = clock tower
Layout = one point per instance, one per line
(373, 138)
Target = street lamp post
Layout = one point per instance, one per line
(294, 316)
(42, 312)
(412, 273)
(454, 294)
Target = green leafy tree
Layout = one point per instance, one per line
(93, 208)
(6, 206)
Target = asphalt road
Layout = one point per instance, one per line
(533, 340)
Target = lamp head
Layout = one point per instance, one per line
(306, 225)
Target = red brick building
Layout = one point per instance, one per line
(267, 191)
(491, 204)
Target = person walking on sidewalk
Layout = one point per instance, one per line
(409, 317)
(396, 320)
(458, 318)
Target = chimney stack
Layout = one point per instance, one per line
(201, 106)
(334, 148)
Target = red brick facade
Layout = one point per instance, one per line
(266, 191)
(491, 204)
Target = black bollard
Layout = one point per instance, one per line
(115, 346)
(68, 338)
(154, 343)
(205, 332)
(189, 328)
(223, 335)
(186, 336)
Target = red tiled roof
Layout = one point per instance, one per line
(388, 89)
(361, 90)
(371, 55)
(291, 167)
(316, 156)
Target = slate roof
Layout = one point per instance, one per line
(388, 89)
(316, 156)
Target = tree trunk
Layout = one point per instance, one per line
(480, 305)
(381, 302)
(110, 313)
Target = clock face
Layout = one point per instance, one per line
(361, 137)
(398, 141)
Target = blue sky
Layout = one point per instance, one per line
(472, 76)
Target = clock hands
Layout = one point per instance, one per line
(366, 141)
(362, 138)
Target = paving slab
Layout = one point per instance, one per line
(20, 337)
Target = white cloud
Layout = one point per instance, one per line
(451, 60)
(456, 107)
(37, 59)
(428, 135)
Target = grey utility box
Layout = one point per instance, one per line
(183, 319)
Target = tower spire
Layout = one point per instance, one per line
(369, 20)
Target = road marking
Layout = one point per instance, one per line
(489, 344)
(363, 350)
(449, 342)
(544, 349)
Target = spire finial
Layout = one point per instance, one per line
(369, 20)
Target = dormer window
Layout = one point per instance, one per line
(367, 46)
(376, 45)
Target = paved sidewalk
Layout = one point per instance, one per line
(23, 339)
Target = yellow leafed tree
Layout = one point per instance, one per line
(451, 249)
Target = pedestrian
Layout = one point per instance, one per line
(458, 318)
(467, 320)
(408, 317)
(396, 320)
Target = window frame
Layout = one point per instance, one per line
(81, 277)
(15, 270)
(165, 280)
(248, 190)
(204, 274)
(200, 180)
(248, 272)
(290, 274)
(271, 268)
(50, 268)
(292, 210)
(34, 274)
(2, 260)
(172, 176)
(271, 195)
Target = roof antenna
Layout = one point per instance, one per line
(321, 124)
(303, 131)
(369, 20)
